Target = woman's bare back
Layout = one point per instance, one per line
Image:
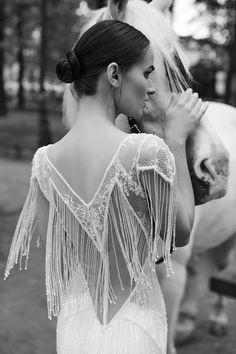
(83, 160)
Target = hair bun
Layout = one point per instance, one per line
(68, 69)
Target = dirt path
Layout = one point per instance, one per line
(24, 327)
(204, 343)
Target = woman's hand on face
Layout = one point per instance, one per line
(183, 115)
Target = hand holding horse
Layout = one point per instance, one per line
(183, 115)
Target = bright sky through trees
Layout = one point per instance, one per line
(185, 12)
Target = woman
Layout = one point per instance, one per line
(107, 200)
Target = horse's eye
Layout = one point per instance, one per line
(148, 73)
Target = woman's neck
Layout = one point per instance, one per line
(95, 111)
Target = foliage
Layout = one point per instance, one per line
(220, 17)
(62, 27)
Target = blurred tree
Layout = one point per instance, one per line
(20, 55)
(59, 29)
(22, 21)
(221, 17)
(38, 33)
(43, 44)
(44, 128)
(23, 38)
(2, 52)
(63, 25)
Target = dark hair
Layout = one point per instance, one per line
(105, 42)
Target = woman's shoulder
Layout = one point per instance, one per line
(147, 146)
(155, 140)
(151, 145)
(40, 162)
(47, 153)
(39, 154)
(148, 140)
(156, 155)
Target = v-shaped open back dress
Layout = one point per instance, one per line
(118, 235)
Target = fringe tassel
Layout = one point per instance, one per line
(128, 232)
(25, 228)
(77, 261)
(74, 264)
(162, 205)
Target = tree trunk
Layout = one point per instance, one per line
(20, 58)
(2, 90)
(231, 76)
(44, 129)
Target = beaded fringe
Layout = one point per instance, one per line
(20, 246)
(77, 261)
(162, 209)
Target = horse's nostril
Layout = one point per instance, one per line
(203, 166)
(207, 168)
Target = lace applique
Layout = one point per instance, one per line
(160, 157)
(129, 182)
(163, 166)
(40, 171)
(92, 216)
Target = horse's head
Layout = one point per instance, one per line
(208, 163)
(207, 157)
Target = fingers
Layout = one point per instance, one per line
(204, 109)
(189, 102)
(194, 104)
(188, 99)
(193, 99)
(187, 93)
(181, 99)
(173, 98)
(199, 109)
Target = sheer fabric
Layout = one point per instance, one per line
(93, 248)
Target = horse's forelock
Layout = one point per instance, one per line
(163, 40)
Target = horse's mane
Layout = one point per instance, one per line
(163, 40)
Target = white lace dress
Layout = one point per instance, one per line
(118, 235)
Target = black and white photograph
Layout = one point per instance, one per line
(117, 176)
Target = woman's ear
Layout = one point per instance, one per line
(113, 75)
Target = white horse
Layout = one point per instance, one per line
(214, 236)
(211, 248)
(207, 157)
